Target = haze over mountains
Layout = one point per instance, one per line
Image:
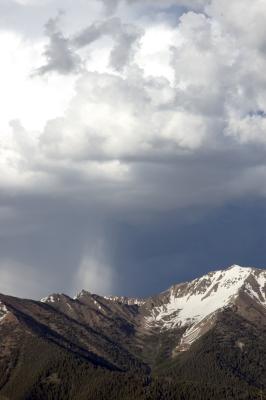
(203, 339)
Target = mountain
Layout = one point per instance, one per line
(204, 339)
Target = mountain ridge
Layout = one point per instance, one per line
(208, 324)
(234, 277)
(125, 298)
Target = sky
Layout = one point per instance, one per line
(132, 143)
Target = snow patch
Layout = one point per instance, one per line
(48, 299)
(3, 311)
(125, 300)
(98, 305)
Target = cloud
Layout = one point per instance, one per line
(203, 110)
(214, 102)
(110, 5)
(248, 128)
(96, 127)
(236, 16)
(58, 52)
(126, 36)
(62, 53)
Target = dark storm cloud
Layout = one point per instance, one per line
(159, 229)
(146, 251)
(180, 246)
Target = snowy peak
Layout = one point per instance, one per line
(225, 281)
(223, 286)
(194, 305)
